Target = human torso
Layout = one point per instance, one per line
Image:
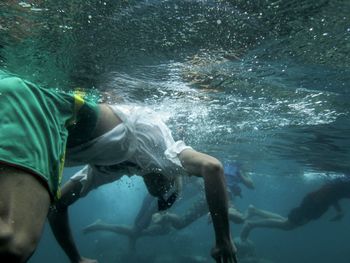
(137, 136)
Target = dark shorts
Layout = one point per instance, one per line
(309, 209)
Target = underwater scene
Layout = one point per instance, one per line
(263, 86)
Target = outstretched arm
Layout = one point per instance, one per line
(59, 222)
(211, 170)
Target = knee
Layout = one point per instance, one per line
(213, 166)
(16, 248)
(236, 218)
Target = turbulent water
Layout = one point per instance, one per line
(263, 82)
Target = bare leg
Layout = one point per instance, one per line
(100, 226)
(235, 216)
(156, 230)
(252, 211)
(118, 229)
(279, 223)
(170, 219)
(142, 220)
(196, 211)
(151, 230)
(24, 204)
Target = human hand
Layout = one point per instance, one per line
(224, 253)
(87, 260)
(158, 217)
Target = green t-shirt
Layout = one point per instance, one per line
(33, 127)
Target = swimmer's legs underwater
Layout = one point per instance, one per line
(268, 220)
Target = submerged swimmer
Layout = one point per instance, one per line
(150, 223)
(156, 227)
(140, 143)
(312, 207)
(234, 175)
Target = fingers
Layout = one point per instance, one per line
(226, 259)
(224, 256)
(234, 259)
(217, 258)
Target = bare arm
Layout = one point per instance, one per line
(59, 222)
(144, 216)
(211, 170)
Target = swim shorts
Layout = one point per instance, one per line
(33, 127)
(309, 209)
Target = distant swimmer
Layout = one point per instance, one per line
(236, 175)
(312, 207)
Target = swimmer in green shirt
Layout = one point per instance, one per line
(34, 128)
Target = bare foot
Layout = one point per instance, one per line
(92, 227)
(251, 211)
(247, 227)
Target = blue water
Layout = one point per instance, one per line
(265, 83)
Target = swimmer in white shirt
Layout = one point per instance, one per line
(141, 140)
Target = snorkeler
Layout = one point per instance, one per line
(148, 220)
(140, 143)
(312, 207)
(234, 175)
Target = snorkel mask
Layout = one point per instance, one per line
(165, 203)
(169, 197)
(164, 188)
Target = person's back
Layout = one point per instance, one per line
(331, 192)
(317, 202)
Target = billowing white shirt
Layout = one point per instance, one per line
(142, 139)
